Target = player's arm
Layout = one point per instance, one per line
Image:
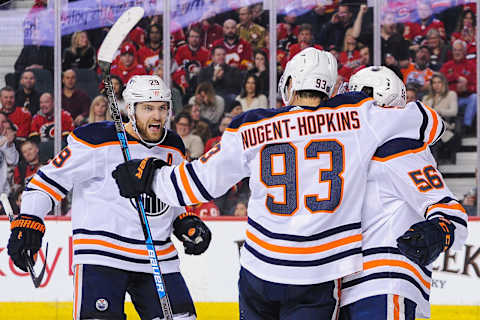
(48, 186)
(414, 179)
(189, 183)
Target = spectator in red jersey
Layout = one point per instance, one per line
(80, 54)
(191, 57)
(42, 129)
(26, 95)
(137, 37)
(74, 100)
(416, 31)
(225, 79)
(29, 164)
(466, 31)
(205, 209)
(305, 40)
(18, 115)
(418, 73)
(238, 51)
(250, 31)
(461, 77)
(127, 65)
(211, 31)
(224, 123)
(148, 54)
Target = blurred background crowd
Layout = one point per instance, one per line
(220, 69)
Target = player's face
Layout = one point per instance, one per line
(151, 117)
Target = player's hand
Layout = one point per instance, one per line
(27, 233)
(193, 232)
(135, 177)
(425, 240)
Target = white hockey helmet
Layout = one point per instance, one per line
(388, 89)
(310, 69)
(146, 88)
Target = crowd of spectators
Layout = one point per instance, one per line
(220, 68)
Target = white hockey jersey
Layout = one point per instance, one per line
(404, 187)
(106, 227)
(308, 170)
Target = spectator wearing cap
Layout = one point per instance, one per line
(18, 115)
(461, 77)
(74, 100)
(466, 31)
(127, 66)
(26, 95)
(238, 51)
(148, 55)
(250, 31)
(418, 73)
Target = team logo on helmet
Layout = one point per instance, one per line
(101, 304)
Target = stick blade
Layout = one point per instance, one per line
(118, 32)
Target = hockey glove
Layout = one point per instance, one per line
(425, 240)
(193, 232)
(135, 177)
(27, 233)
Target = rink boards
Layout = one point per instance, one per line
(212, 277)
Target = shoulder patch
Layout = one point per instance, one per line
(397, 147)
(97, 133)
(256, 115)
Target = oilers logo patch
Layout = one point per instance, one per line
(153, 206)
(101, 304)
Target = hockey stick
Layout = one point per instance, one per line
(37, 280)
(109, 46)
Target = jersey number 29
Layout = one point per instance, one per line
(289, 178)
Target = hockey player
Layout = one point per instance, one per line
(307, 164)
(108, 242)
(405, 191)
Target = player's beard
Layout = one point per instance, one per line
(148, 134)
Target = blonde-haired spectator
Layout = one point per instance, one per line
(80, 54)
(99, 110)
